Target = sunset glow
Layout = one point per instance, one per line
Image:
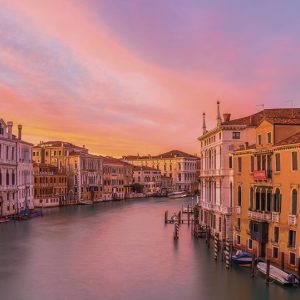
(128, 77)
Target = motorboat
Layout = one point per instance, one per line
(85, 202)
(278, 275)
(4, 219)
(242, 258)
(181, 194)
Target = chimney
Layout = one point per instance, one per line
(19, 132)
(226, 117)
(9, 129)
(204, 124)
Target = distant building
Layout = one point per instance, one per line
(116, 178)
(178, 165)
(16, 176)
(149, 178)
(50, 185)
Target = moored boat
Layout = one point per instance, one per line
(181, 194)
(242, 258)
(278, 275)
(4, 219)
(85, 202)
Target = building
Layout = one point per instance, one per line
(115, 172)
(16, 176)
(84, 171)
(266, 189)
(50, 185)
(178, 165)
(85, 177)
(149, 178)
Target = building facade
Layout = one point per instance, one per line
(177, 165)
(50, 185)
(16, 176)
(149, 178)
(266, 191)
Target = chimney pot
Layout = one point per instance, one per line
(19, 132)
(9, 129)
(226, 117)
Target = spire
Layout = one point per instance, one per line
(219, 119)
(204, 124)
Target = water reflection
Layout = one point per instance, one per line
(120, 250)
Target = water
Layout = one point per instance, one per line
(117, 251)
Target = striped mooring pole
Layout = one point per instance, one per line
(227, 254)
(216, 246)
(176, 229)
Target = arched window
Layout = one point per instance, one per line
(0, 177)
(13, 179)
(7, 178)
(294, 202)
(230, 194)
(277, 201)
(239, 202)
(1, 129)
(251, 199)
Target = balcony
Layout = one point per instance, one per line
(262, 175)
(260, 215)
(275, 217)
(292, 220)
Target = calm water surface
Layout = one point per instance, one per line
(121, 251)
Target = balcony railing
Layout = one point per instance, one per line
(275, 217)
(292, 220)
(260, 216)
(262, 174)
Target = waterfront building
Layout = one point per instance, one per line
(84, 171)
(166, 184)
(85, 177)
(50, 185)
(177, 165)
(266, 190)
(16, 176)
(116, 178)
(149, 178)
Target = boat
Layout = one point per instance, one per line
(4, 219)
(278, 275)
(85, 202)
(242, 258)
(181, 194)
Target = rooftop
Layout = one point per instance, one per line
(169, 154)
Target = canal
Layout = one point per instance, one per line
(117, 251)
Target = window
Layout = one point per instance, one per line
(236, 135)
(1, 129)
(276, 234)
(292, 258)
(277, 162)
(292, 239)
(294, 203)
(239, 203)
(259, 139)
(251, 199)
(252, 164)
(277, 201)
(238, 240)
(250, 244)
(239, 164)
(230, 162)
(275, 252)
(258, 160)
(294, 161)
(269, 138)
(238, 224)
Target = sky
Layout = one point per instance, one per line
(134, 76)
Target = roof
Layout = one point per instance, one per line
(112, 160)
(144, 168)
(60, 144)
(169, 154)
(294, 139)
(288, 114)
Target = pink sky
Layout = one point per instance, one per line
(127, 77)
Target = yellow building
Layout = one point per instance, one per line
(117, 178)
(266, 189)
(181, 167)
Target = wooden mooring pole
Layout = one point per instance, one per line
(268, 271)
(188, 214)
(166, 217)
(179, 217)
(216, 246)
(227, 254)
(176, 230)
(253, 266)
